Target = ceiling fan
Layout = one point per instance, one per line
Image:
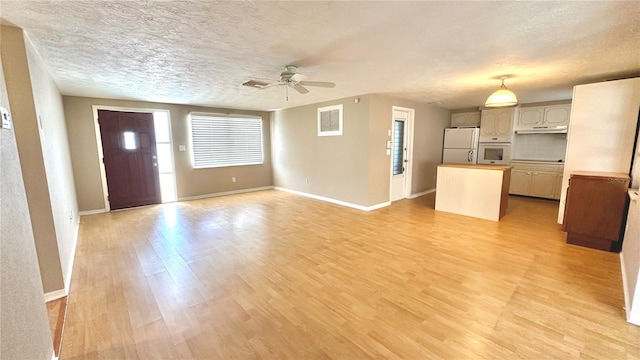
(287, 79)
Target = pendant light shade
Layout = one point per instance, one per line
(502, 97)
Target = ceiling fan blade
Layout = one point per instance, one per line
(272, 85)
(318, 83)
(301, 89)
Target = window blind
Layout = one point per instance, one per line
(221, 141)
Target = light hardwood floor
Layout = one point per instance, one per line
(273, 275)
(56, 311)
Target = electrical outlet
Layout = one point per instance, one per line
(307, 180)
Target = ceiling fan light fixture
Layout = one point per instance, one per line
(502, 97)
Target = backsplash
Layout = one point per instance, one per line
(550, 147)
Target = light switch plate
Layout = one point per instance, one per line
(6, 118)
(182, 148)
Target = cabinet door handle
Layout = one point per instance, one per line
(528, 172)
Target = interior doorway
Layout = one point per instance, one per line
(401, 152)
(130, 158)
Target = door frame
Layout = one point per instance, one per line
(103, 172)
(409, 125)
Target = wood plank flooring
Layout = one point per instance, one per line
(56, 311)
(272, 275)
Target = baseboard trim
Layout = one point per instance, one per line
(54, 295)
(416, 195)
(67, 281)
(224, 193)
(634, 318)
(377, 206)
(92, 212)
(334, 201)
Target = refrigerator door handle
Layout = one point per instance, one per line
(470, 157)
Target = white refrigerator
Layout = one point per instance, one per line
(460, 145)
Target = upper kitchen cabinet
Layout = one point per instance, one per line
(543, 117)
(465, 119)
(496, 125)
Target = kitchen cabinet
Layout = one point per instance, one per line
(543, 184)
(540, 117)
(557, 193)
(496, 125)
(537, 179)
(465, 119)
(595, 209)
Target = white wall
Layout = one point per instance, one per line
(630, 263)
(45, 161)
(27, 130)
(24, 325)
(57, 160)
(601, 133)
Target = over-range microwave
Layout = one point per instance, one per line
(494, 153)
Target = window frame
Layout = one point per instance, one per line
(230, 119)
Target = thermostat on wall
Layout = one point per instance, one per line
(6, 118)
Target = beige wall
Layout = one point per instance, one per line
(336, 166)
(190, 182)
(429, 124)
(20, 90)
(354, 167)
(23, 319)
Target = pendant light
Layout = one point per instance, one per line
(502, 97)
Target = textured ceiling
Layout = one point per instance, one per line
(199, 52)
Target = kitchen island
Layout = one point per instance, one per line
(480, 191)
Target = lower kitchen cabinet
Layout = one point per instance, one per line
(543, 184)
(520, 181)
(538, 180)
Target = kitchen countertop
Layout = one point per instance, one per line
(550, 162)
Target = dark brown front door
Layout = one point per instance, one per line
(130, 162)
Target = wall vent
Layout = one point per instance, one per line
(255, 84)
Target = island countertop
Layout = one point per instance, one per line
(478, 166)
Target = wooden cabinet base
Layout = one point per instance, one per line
(594, 242)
